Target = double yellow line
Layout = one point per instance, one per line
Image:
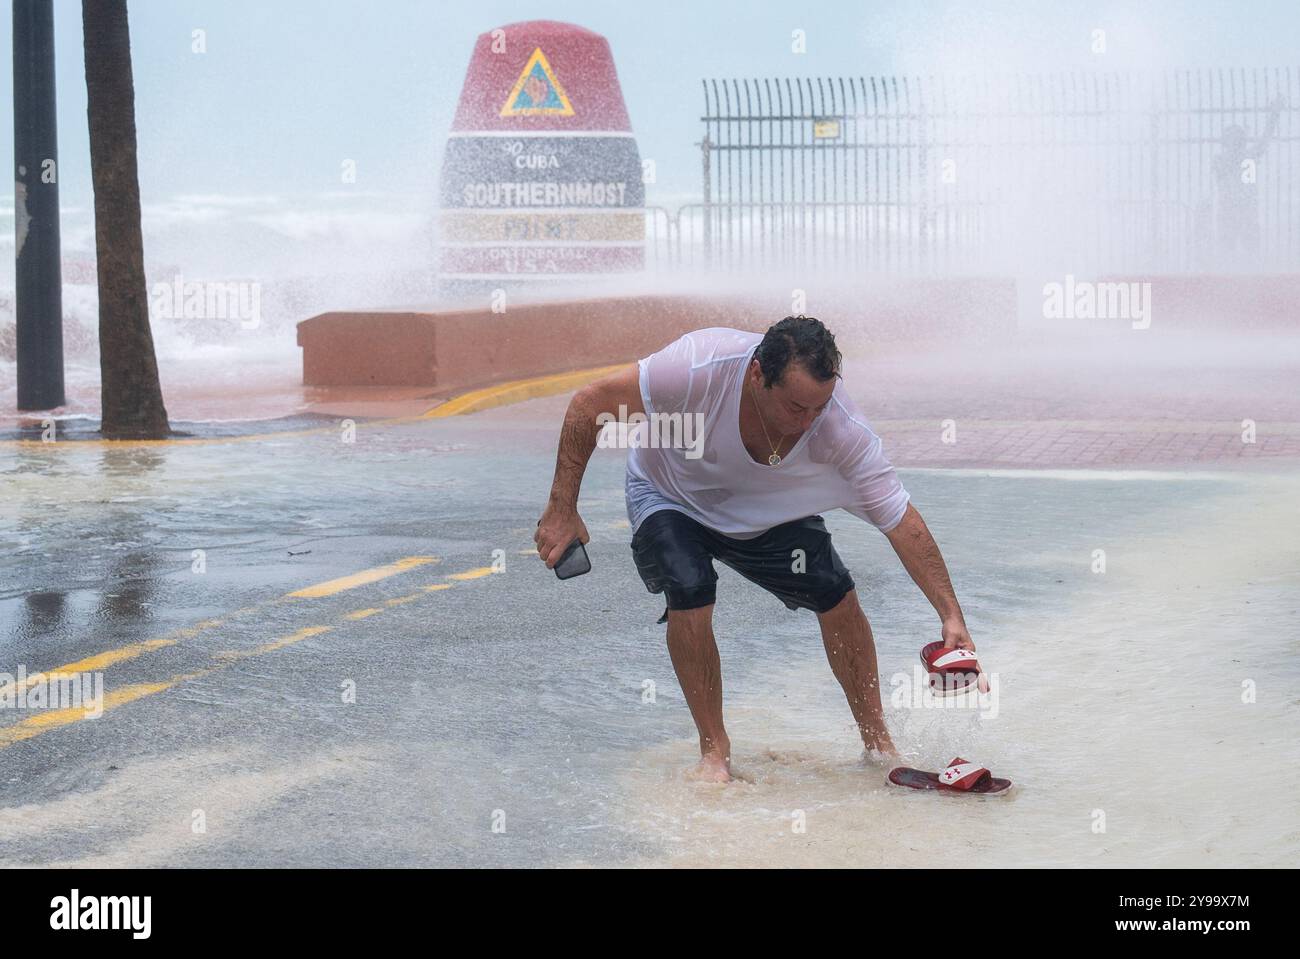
(43, 722)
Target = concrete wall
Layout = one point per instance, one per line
(458, 350)
(454, 350)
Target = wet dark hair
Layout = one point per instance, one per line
(801, 339)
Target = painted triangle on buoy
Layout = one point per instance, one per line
(537, 92)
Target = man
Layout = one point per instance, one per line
(782, 442)
(1235, 177)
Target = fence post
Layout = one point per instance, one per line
(923, 179)
(708, 202)
(1155, 180)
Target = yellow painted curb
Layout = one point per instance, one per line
(516, 391)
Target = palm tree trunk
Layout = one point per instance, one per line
(130, 395)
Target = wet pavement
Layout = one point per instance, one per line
(325, 646)
(226, 693)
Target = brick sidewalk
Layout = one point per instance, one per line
(1047, 402)
(1033, 402)
(1048, 444)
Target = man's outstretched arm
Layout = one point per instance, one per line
(920, 555)
(560, 523)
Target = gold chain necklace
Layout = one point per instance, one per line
(775, 458)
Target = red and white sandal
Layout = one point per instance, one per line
(960, 777)
(952, 671)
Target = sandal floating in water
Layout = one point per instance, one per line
(959, 777)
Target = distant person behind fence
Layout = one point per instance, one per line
(1235, 177)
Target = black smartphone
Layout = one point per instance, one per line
(574, 562)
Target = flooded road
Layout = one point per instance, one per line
(434, 696)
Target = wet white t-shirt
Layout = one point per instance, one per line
(694, 460)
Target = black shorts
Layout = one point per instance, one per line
(674, 555)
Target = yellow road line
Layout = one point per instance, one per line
(307, 632)
(97, 662)
(516, 391)
(121, 654)
(363, 577)
(58, 718)
(478, 573)
(107, 658)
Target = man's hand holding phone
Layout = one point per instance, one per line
(560, 536)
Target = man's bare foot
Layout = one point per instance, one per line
(878, 758)
(712, 768)
(880, 748)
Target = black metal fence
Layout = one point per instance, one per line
(1187, 171)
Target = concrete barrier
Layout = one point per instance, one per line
(453, 350)
(458, 350)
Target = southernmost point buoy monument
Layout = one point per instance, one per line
(541, 179)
